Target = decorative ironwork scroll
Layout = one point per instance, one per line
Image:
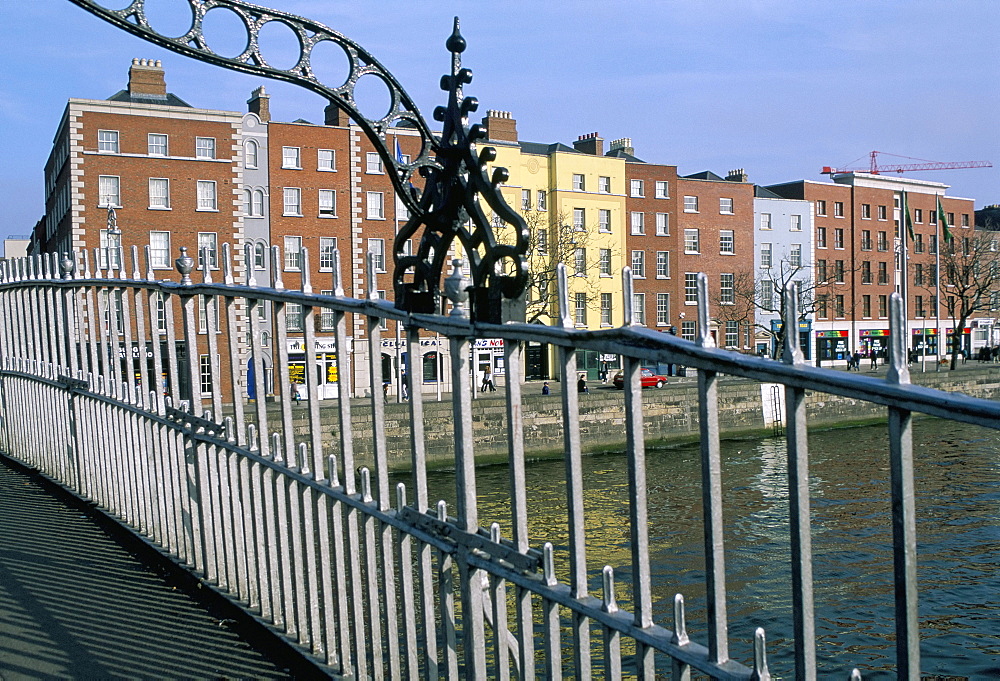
(454, 173)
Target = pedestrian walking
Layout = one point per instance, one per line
(545, 388)
(581, 384)
(874, 356)
(488, 382)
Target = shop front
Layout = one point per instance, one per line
(487, 356)
(805, 328)
(832, 345)
(873, 341)
(324, 365)
(924, 342)
(960, 343)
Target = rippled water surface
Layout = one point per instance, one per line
(957, 475)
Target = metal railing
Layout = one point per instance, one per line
(377, 582)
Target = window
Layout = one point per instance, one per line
(542, 239)
(765, 221)
(639, 264)
(933, 244)
(765, 255)
(604, 262)
(883, 274)
(108, 194)
(918, 275)
(293, 317)
(662, 224)
(883, 306)
(692, 241)
(839, 306)
(208, 242)
(377, 248)
(920, 312)
(579, 223)
(690, 204)
(795, 255)
(690, 288)
(327, 203)
(931, 276)
(291, 157)
(866, 272)
(881, 212)
(111, 250)
(257, 207)
(732, 334)
(578, 183)
(604, 185)
(250, 154)
(260, 257)
(866, 240)
(883, 242)
(326, 160)
(637, 188)
(376, 205)
(203, 315)
(580, 309)
(292, 201)
(639, 308)
(965, 219)
(795, 223)
(159, 193)
(603, 219)
(932, 217)
(247, 202)
(838, 273)
(156, 145)
(821, 207)
(866, 306)
(838, 238)
(663, 264)
(727, 242)
(638, 222)
(160, 301)
(918, 215)
(726, 206)
(606, 309)
(293, 253)
(107, 141)
(821, 237)
(327, 318)
(687, 330)
(206, 195)
(662, 189)
(525, 199)
(580, 262)
(205, 373)
(373, 164)
(866, 211)
(918, 243)
(327, 246)
(765, 295)
(838, 209)
(159, 250)
(542, 204)
(727, 288)
(662, 309)
(204, 147)
(821, 270)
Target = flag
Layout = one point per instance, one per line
(906, 217)
(943, 219)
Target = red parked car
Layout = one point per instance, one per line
(648, 378)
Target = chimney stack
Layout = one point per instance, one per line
(260, 104)
(738, 175)
(501, 126)
(591, 143)
(145, 77)
(623, 144)
(333, 115)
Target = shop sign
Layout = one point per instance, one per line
(778, 324)
(831, 334)
(494, 343)
(873, 332)
(401, 343)
(967, 330)
(609, 358)
(321, 345)
(925, 332)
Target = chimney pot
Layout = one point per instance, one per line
(145, 77)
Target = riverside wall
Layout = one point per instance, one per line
(670, 417)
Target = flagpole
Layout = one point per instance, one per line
(937, 287)
(904, 287)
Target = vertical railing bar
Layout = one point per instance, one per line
(498, 613)
(256, 353)
(612, 638)
(711, 471)
(236, 356)
(297, 576)
(904, 530)
(373, 601)
(211, 329)
(446, 596)
(276, 524)
(576, 522)
(312, 383)
(551, 633)
(404, 566)
(280, 317)
(797, 443)
(680, 671)
(342, 636)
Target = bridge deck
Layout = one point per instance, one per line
(74, 603)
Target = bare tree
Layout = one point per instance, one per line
(969, 280)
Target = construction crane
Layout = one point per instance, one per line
(875, 169)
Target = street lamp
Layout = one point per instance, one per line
(114, 239)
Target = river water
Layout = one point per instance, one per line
(957, 476)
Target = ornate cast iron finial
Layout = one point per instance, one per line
(450, 208)
(185, 264)
(456, 289)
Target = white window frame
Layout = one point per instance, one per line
(726, 206)
(110, 250)
(260, 258)
(639, 308)
(331, 166)
(542, 200)
(208, 200)
(603, 184)
(662, 309)
(291, 158)
(727, 242)
(604, 220)
(662, 189)
(108, 142)
(579, 182)
(208, 240)
(690, 204)
(204, 147)
(377, 248)
(663, 224)
(257, 207)
(159, 200)
(690, 288)
(795, 255)
(727, 288)
(580, 262)
(606, 309)
(329, 197)
(637, 223)
(663, 264)
(153, 144)
(294, 321)
(525, 199)
(375, 205)
(373, 164)
(637, 188)
(766, 255)
(579, 219)
(106, 197)
(205, 378)
(291, 201)
(327, 247)
(765, 222)
(293, 254)
(580, 309)
(692, 241)
(251, 154)
(604, 262)
(795, 223)
(159, 250)
(639, 264)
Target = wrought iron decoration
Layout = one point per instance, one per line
(454, 173)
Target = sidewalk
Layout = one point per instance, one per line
(75, 604)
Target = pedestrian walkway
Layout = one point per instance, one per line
(75, 604)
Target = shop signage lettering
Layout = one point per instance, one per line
(496, 343)
(401, 343)
(874, 332)
(831, 334)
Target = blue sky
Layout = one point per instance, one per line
(778, 87)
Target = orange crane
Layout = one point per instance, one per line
(875, 169)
